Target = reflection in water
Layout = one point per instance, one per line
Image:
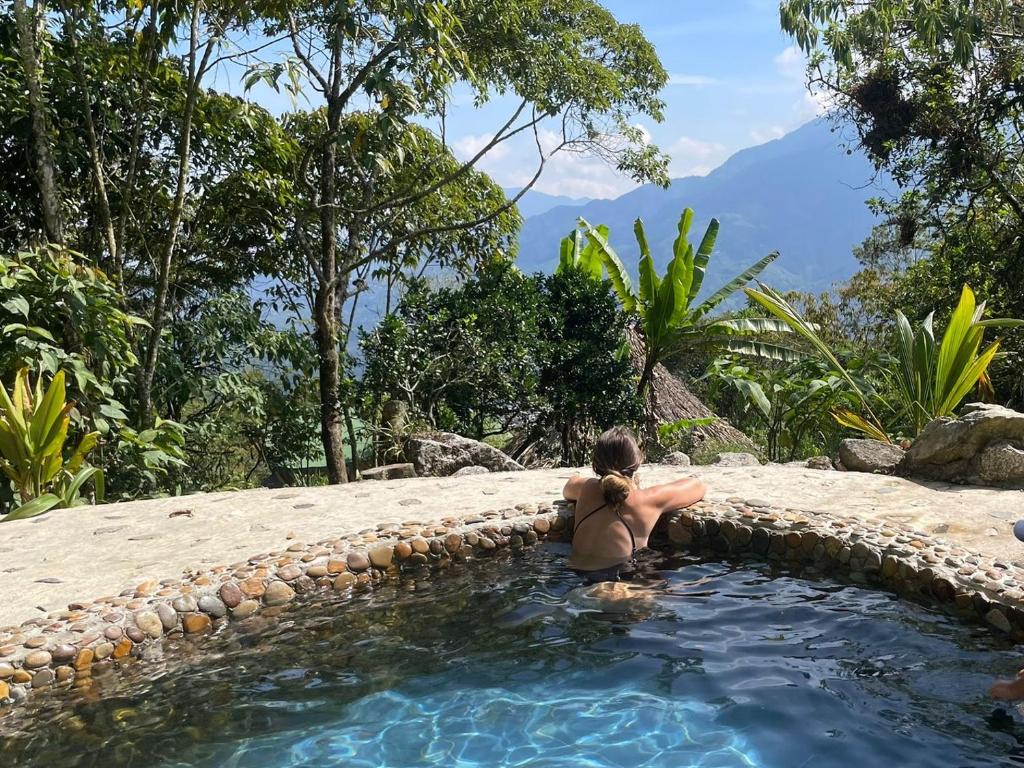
(513, 662)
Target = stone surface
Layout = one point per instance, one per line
(474, 469)
(381, 556)
(984, 446)
(149, 622)
(732, 459)
(195, 622)
(389, 472)
(245, 608)
(676, 459)
(168, 616)
(1001, 463)
(213, 606)
(444, 453)
(872, 456)
(251, 530)
(278, 593)
(231, 594)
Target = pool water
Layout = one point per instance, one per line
(507, 663)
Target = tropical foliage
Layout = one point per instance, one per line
(670, 319)
(34, 425)
(786, 407)
(503, 355)
(930, 91)
(931, 379)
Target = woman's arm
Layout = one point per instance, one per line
(573, 487)
(677, 494)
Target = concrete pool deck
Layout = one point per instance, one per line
(80, 554)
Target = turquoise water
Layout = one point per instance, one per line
(507, 663)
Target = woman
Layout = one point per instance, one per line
(614, 516)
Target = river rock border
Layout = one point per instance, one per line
(64, 648)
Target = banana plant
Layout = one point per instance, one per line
(931, 378)
(33, 433)
(670, 319)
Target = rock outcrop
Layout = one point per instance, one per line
(444, 453)
(985, 446)
(874, 456)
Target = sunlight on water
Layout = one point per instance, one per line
(547, 725)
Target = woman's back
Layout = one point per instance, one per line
(606, 534)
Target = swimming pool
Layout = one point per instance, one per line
(504, 663)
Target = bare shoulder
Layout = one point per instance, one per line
(575, 485)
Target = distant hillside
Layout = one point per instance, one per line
(802, 195)
(534, 203)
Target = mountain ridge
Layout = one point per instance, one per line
(802, 194)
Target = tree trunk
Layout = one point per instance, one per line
(332, 425)
(195, 74)
(29, 25)
(92, 139)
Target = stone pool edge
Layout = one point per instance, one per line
(64, 648)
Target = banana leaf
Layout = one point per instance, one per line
(778, 306)
(682, 260)
(734, 285)
(702, 257)
(649, 281)
(748, 325)
(613, 266)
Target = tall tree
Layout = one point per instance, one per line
(570, 64)
(31, 26)
(933, 91)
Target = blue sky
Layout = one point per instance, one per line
(735, 80)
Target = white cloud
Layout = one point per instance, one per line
(692, 80)
(693, 157)
(791, 63)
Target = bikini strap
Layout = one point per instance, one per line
(588, 515)
(632, 538)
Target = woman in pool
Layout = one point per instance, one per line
(614, 516)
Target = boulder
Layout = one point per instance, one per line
(442, 454)
(819, 462)
(874, 456)
(474, 469)
(729, 459)
(985, 446)
(389, 472)
(676, 459)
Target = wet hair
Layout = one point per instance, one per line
(616, 457)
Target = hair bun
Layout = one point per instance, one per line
(616, 487)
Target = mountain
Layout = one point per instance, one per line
(802, 195)
(534, 203)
